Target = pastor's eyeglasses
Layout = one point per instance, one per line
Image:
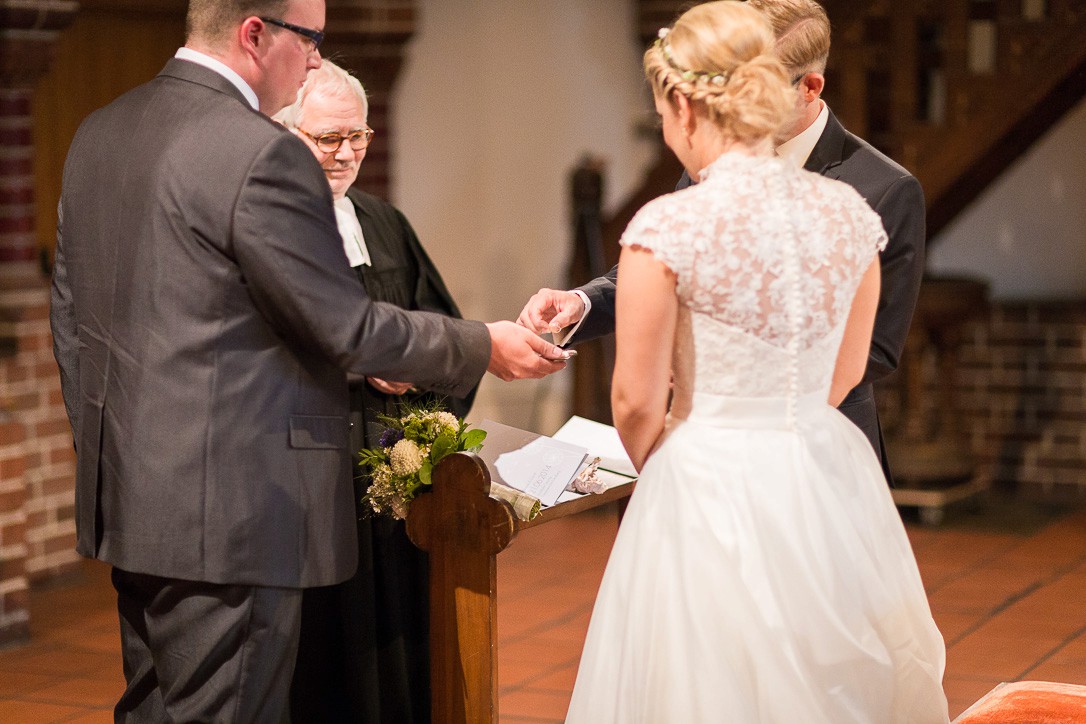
(358, 139)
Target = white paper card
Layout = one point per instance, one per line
(600, 440)
(538, 465)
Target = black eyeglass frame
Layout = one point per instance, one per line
(366, 133)
(313, 36)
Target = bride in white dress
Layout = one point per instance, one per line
(761, 572)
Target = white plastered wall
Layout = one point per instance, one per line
(496, 103)
(1026, 234)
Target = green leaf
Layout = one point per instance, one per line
(424, 473)
(371, 458)
(473, 439)
(443, 445)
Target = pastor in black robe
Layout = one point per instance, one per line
(364, 649)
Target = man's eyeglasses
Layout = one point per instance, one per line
(313, 36)
(358, 139)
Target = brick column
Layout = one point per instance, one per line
(368, 38)
(36, 460)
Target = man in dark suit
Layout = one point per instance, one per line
(819, 143)
(204, 319)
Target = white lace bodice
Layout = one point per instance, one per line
(768, 258)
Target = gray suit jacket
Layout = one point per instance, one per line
(204, 316)
(898, 199)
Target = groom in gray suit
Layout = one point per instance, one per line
(204, 319)
(819, 143)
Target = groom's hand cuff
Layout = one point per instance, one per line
(562, 338)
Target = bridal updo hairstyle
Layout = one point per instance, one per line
(721, 55)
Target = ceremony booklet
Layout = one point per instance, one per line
(536, 464)
(545, 466)
(601, 441)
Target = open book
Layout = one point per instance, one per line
(544, 467)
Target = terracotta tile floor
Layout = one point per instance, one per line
(1007, 585)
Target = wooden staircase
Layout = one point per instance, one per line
(955, 91)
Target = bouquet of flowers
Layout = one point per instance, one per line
(410, 447)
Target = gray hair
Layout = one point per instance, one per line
(330, 80)
(210, 21)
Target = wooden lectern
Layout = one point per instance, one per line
(464, 529)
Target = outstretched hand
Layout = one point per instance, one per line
(516, 353)
(551, 310)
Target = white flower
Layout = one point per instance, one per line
(406, 457)
(442, 421)
(382, 476)
(381, 490)
(662, 33)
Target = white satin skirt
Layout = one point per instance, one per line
(761, 574)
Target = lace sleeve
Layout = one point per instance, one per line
(870, 224)
(657, 228)
(869, 236)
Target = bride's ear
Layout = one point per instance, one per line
(688, 121)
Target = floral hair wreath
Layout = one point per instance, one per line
(691, 76)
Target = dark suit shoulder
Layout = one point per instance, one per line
(868, 169)
(842, 155)
(207, 121)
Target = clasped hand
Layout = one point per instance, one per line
(516, 353)
(551, 311)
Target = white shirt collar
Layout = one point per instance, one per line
(354, 243)
(797, 150)
(195, 56)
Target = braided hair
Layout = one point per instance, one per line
(721, 55)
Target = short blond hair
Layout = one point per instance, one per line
(803, 33)
(721, 54)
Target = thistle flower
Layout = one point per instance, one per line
(390, 437)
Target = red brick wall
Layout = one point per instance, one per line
(368, 38)
(1022, 391)
(14, 617)
(37, 520)
(37, 462)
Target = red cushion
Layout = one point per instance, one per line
(1029, 702)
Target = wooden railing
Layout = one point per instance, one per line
(464, 529)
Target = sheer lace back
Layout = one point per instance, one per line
(768, 259)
